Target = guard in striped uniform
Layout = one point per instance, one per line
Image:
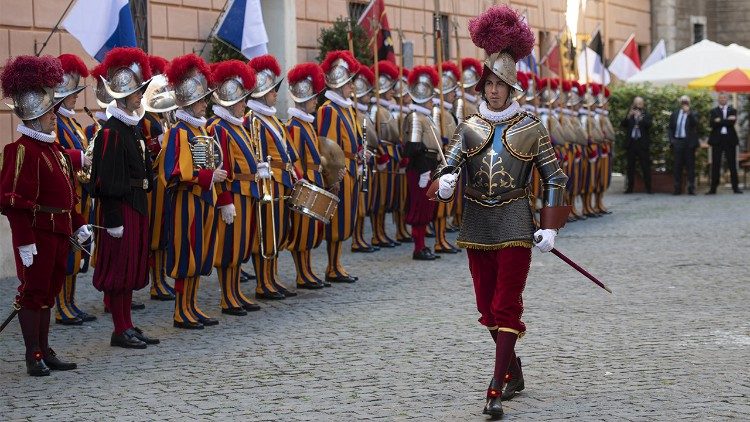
(306, 82)
(70, 135)
(605, 157)
(191, 222)
(335, 120)
(385, 188)
(279, 174)
(593, 149)
(235, 229)
(399, 109)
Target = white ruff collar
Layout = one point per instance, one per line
(300, 114)
(385, 103)
(470, 98)
(100, 115)
(65, 112)
(602, 111)
(121, 115)
(543, 110)
(189, 118)
(338, 99)
(261, 108)
(33, 134)
(362, 107)
(419, 109)
(226, 115)
(446, 105)
(496, 116)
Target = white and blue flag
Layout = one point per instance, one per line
(101, 25)
(242, 27)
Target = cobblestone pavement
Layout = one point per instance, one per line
(403, 342)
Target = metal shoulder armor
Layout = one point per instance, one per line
(470, 136)
(523, 137)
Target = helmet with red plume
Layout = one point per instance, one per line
(191, 78)
(73, 70)
(306, 81)
(127, 71)
(267, 69)
(234, 80)
(339, 67)
(30, 82)
(422, 82)
(387, 75)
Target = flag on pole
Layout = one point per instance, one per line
(375, 12)
(658, 54)
(242, 27)
(528, 64)
(627, 62)
(101, 25)
(593, 58)
(552, 58)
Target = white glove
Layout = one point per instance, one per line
(116, 232)
(219, 175)
(83, 233)
(544, 239)
(382, 167)
(264, 171)
(85, 160)
(367, 154)
(227, 213)
(424, 179)
(27, 252)
(360, 170)
(447, 185)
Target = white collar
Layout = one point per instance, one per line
(469, 97)
(338, 99)
(385, 103)
(261, 108)
(419, 109)
(529, 107)
(568, 112)
(121, 115)
(602, 111)
(362, 107)
(446, 105)
(33, 134)
(226, 115)
(300, 114)
(189, 118)
(65, 112)
(496, 116)
(100, 115)
(543, 110)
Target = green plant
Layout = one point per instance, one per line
(220, 51)
(336, 38)
(660, 103)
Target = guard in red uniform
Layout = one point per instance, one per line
(37, 195)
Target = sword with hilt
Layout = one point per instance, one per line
(577, 267)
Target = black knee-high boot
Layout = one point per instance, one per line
(29, 320)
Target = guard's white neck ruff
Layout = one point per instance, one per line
(101, 115)
(338, 99)
(362, 107)
(189, 118)
(496, 116)
(261, 108)
(446, 105)
(300, 114)
(226, 115)
(385, 103)
(65, 112)
(33, 134)
(470, 98)
(419, 109)
(123, 116)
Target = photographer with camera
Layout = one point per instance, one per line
(637, 125)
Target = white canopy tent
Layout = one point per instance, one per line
(693, 62)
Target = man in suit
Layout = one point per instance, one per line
(683, 136)
(637, 125)
(723, 139)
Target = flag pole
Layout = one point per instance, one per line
(54, 29)
(216, 24)
(375, 28)
(439, 57)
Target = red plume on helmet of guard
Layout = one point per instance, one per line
(103, 98)
(387, 74)
(450, 77)
(364, 81)
(472, 71)
(523, 80)
(422, 82)
(339, 67)
(306, 81)
(405, 72)
(30, 81)
(506, 37)
(74, 69)
(191, 77)
(234, 81)
(127, 71)
(267, 69)
(158, 64)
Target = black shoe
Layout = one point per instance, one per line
(383, 244)
(188, 325)
(423, 255)
(307, 285)
(54, 363)
(208, 322)
(86, 317)
(341, 279)
(140, 335)
(365, 249)
(711, 192)
(234, 311)
(325, 283)
(69, 321)
(245, 276)
(405, 240)
(126, 341)
(736, 191)
(36, 368)
(494, 407)
(628, 191)
(163, 297)
(449, 250)
(270, 296)
(286, 292)
(137, 306)
(691, 192)
(251, 307)
(513, 381)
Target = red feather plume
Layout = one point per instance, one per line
(537, 81)
(367, 74)
(449, 66)
(423, 70)
(303, 70)
(73, 64)
(222, 71)
(180, 67)
(470, 62)
(332, 56)
(124, 57)
(97, 71)
(566, 85)
(264, 62)
(26, 73)
(606, 91)
(501, 28)
(553, 83)
(158, 64)
(596, 89)
(523, 79)
(386, 67)
(405, 72)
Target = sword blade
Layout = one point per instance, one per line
(9, 319)
(580, 269)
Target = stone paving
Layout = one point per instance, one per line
(403, 342)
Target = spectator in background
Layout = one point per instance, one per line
(683, 136)
(637, 125)
(723, 139)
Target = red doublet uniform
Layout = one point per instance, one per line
(37, 195)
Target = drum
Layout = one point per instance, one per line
(313, 201)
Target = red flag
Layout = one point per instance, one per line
(375, 11)
(552, 59)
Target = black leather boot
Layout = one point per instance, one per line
(29, 319)
(494, 407)
(36, 368)
(126, 341)
(513, 380)
(54, 363)
(140, 335)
